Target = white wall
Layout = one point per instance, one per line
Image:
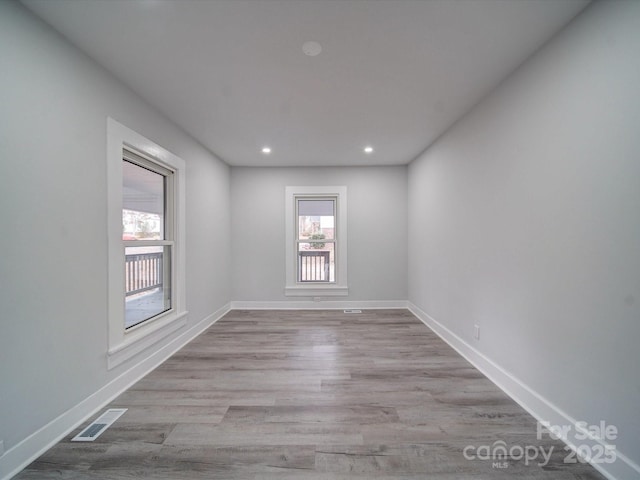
(524, 218)
(53, 202)
(377, 229)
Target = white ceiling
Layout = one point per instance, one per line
(392, 73)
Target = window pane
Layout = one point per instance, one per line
(147, 283)
(315, 207)
(316, 262)
(316, 219)
(143, 203)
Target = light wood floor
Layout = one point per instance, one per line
(310, 395)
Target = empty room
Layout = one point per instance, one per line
(320, 239)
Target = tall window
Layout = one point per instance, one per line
(316, 242)
(146, 228)
(148, 238)
(316, 261)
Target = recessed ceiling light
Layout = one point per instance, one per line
(311, 49)
(266, 150)
(368, 149)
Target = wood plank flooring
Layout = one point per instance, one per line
(311, 395)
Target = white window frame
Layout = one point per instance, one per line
(125, 343)
(340, 286)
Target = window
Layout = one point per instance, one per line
(146, 243)
(316, 241)
(147, 221)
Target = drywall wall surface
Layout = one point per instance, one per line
(523, 219)
(53, 203)
(377, 228)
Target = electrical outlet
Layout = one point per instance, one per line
(476, 332)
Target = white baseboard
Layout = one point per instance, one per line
(540, 408)
(18, 457)
(321, 305)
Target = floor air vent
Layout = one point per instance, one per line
(99, 425)
(351, 310)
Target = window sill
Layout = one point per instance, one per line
(316, 291)
(140, 339)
